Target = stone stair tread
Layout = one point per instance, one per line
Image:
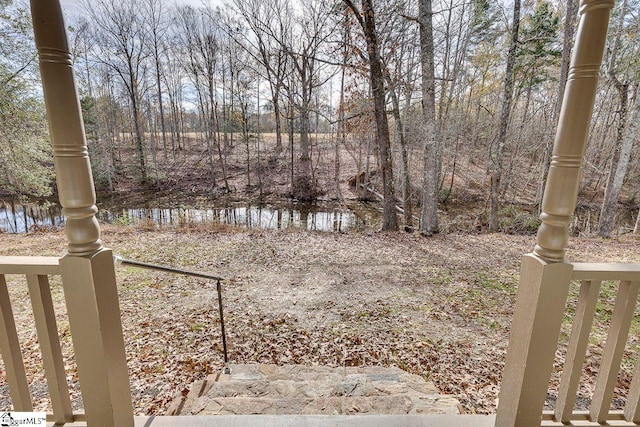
(313, 390)
(308, 406)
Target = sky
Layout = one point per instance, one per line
(73, 7)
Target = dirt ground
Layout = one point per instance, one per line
(438, 307)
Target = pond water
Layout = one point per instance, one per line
(312, 217)
(325, 217)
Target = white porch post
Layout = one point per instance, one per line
(544, 277)
(87, 270)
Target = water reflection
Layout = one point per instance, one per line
(20, 219)
(16, 218)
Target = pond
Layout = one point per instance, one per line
(321, 216)
(312, 217)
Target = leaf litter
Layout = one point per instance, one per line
(439, 307)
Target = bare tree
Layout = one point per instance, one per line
(267, 27)
(304, 48)
(497, 154)
(366, 19)
(342, 123)
(624, 138)
(121, 37)
(398, 53)
(158, 26)
(200, 37)
(431, 174)
(173, 82)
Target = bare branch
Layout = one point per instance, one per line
(20, 70)
(355, 11)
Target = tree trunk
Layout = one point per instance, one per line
(225, 116)
(459, 55)
(390, 221)
(305, 158)
(138, 136)
(290, 120)
(276, 114)
(342, 131)
(208, 128)
(429, 223)
(173, 126)
(612, 193)
(258, 137)
(152, 134)
(405, 182)
(622, 147)
(222, 153)
(304, 186)
(163, 127)
(214, 126)
(245, 136)
(507, 96)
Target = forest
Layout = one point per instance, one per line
(443, 112)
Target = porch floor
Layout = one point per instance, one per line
(313, 390)
(424, 420)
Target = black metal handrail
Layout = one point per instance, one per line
(218, 279)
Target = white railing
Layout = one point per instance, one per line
(37, 271)
(591, 277)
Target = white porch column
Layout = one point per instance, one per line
(87, 270)
(544, 277)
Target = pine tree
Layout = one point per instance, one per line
(539, 49)
(25, 154)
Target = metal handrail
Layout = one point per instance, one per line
(218, 279)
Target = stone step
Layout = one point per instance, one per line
(398, 404)
(296, 389)
(355, 386)
(253, 372)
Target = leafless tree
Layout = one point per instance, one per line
(497, 154)
(624, 139)
(366, 18)
(158, 25)
(262, 17)
(121, 35)
(200, 32)
(431, 175)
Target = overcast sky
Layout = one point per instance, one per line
(72, 7)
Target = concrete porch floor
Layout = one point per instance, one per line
(428, 420)
(261, 389)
